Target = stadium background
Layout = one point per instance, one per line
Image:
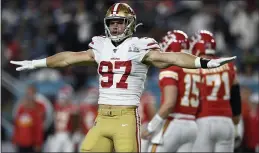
(33, 29)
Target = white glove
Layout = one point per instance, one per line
(218, 62)
(29, 65)
(155, 124)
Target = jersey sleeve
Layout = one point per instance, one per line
(96, 45)
(145, 45)
(169, 76)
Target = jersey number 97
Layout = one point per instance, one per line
(109, 74)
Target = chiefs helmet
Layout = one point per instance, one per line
(175, 41)
(65, 94)
(203, 43)
(121, 11)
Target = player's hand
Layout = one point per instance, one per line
(238, 139)
(145, 134)
(218, 62)
(23, 65)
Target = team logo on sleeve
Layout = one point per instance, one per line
(133, 49)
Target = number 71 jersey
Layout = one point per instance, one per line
(215, 91)
(121, 73)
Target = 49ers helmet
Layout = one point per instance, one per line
(203, 43)
(175, 41)
(121, 11)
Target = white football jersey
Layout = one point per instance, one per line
(121, 73)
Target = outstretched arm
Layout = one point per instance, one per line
(184, 60)
(62, 59)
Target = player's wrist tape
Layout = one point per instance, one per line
(155, 123)
(201, 62)
(40, 63)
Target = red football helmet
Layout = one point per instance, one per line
(203, 43)
(175, 41)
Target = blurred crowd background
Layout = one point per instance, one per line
(33, 29)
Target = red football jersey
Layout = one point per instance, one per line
(215, 91)
(63, 115)
(145, 100)
(28, 126)
(187, 82)
(88, 114)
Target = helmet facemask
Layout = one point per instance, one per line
(130, 23)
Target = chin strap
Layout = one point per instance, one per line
(135, 28)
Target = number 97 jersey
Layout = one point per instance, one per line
(187, 82)
(121, 71)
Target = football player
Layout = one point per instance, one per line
(220, 103)
(64, 109)
(179, 99)
(123, 62)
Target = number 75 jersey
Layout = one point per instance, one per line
(121, 73)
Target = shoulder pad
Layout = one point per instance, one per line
(97, 42)
(171, 72)
(97, 45)
(146, 43)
